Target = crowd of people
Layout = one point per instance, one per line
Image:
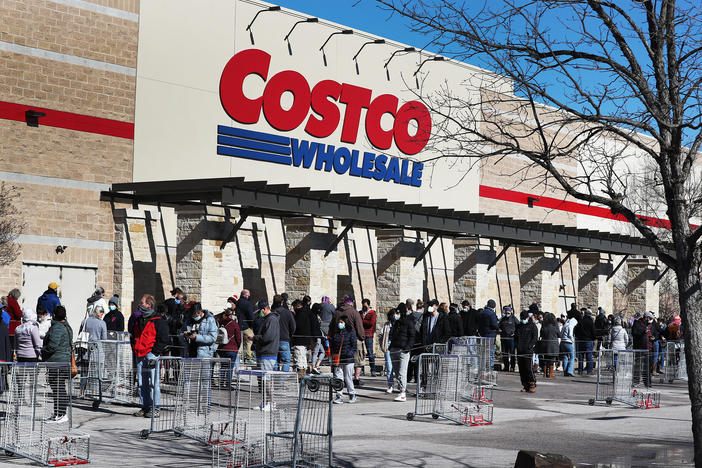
(302, 336)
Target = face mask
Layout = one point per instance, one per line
(524, 321)
(430, 309)
(409, 312)
(197, 318)
(113, 307)
(397, 316)
(228, 306)
(365, 308)
(177, 301)
(341, 325)
(143, 308)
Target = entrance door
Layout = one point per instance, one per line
(77, 284)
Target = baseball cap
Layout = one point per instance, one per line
(53, 285)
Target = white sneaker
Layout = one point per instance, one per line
(262, 407)
(401, 397)
(338, 400)
(58, 419)
(353, 399)
(389, 390)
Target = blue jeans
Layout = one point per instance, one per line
(658, 353)
(234, 356)
(568, 353)
(388, 368)
(585, 353)
(149, 385)
(284, 356)
(371, 354)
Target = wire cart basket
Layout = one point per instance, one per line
(265, 413)
(107, 372)
(37, 416)
(604, 387)
(165, 373)
(675, 367)
(632, 380)
(427, 383)
(203, 409)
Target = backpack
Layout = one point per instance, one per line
(222, 336)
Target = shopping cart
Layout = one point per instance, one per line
(165, 372)
(632, 380)
(107, 372)
(38, 416)
(604, 387)
(427, 383)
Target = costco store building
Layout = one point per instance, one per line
(227, 144)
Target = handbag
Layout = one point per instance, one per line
(74, 366)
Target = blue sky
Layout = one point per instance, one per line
(365, 16)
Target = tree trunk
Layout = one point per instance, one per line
(691, 314)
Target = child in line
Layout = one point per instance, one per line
(343, 348)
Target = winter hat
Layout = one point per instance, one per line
(114, 300)
(507, 309)
(325, 299)
(648, 314)
(588, 312)
(677, 319)
(491, 304)
(533, 308)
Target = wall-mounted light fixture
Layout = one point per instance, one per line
(376, 41)
(406, 49)
(31, 116)
(343, 31)
(308, 20)
(248, 28)
(61, 249)
(436, 58)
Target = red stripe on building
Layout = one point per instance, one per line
(68, 120)
(562, 205)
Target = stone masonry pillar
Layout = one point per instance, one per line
(537, 282)
(204, 271)
(307, 270)
(471, 279)
(642, 293)
(594, 289)
(135, 256)
(398, 278)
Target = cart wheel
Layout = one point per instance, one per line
(144, 434)
(337, 384)
(410, 416)
(96, 404)
(591, 402)
(435, 416)
(312, 384)
(608, 401)
(178, 434)
(670, 380)
(9, 453)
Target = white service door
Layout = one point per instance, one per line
(77, 285)
(35, 280)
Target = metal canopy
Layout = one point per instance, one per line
(281, 200)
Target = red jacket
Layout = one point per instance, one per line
(151, 336)
(368, 323)
(13, 308)
(234, 334)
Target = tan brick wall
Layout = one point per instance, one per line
(62, 86)
(59, 28)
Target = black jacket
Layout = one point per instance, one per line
(440, 333)
(549, 339)
(175, 315)
(267, 340)
(455, 325)
(287, 323)
(402, 334)
(638, 334)
(487, 323)
(508, 326)
(585, 329)
(306, 327)
(526, 337)
(114, 320)
(601, 325)
(5, 348)
(470, 322)
(244, 313)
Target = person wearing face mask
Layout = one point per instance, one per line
(435, 326)
(114, 319)
(642, 338)
(470, 317)
(150, 342)
(200, 332)
(526, 336)
(343, 348)
(384, 339)
(508, 328)
(175, 317)
(401, 342)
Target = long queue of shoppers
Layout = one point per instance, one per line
(301, 336)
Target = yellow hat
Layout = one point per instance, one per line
(53, 286)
